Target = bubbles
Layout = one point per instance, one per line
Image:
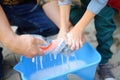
(58, 69)
(57, 47)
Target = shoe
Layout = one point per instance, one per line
(1, 62)
(105, 72)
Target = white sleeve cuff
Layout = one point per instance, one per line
(64, 2)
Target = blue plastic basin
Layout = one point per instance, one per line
(87, 53)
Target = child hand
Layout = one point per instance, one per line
(63, 32)
(75, 39)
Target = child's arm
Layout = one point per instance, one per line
(65, 24)
(52, 10)
(75, 35)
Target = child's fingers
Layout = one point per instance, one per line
(68, 41)
(73, 46)
(77, 45)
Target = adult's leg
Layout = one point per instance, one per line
(31, 21)
(1, 62)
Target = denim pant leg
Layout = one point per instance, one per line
(1, 61)
(105, 27)
(30, 21)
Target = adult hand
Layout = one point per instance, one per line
(25, 45)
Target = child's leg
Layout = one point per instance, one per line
(105, 27)
(76, 13)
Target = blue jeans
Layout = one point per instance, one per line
(1, 60)
(28, 21)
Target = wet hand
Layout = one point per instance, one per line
(75, 39)
(63, 32)
(27, 45)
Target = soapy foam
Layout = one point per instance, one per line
(58, 69)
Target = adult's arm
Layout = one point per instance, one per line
(24, 44)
